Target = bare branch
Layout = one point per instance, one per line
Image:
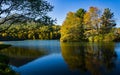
(26, 9)
(10, 24)
(9, 9)
(8, 14)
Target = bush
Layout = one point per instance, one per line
(91, 39)
(66, 38)
(98, 38)
(109, 37)
(70, 38)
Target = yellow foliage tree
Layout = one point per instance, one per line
(70, 30)
(92, 22)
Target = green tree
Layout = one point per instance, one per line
(107, 21)
(22, 10)
(80, 13)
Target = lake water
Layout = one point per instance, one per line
(50, 57)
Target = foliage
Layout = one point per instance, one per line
(89, 25)
(98, 38)
(109, 37)
(107, 21)
(91, 19)
(72, 28)
(117, 34)
(15, 10)
(30, 31)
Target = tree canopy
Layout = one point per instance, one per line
(107, 21)
(72, 28)
(35, 9)
(92, 25)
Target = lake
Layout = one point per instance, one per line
(50, 57)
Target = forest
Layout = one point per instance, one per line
(93, 25)
(31, 31)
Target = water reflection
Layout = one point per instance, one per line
(95, 58)
(55, 58)
(22, 55)
(23, 52)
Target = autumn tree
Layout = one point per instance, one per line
(68, 27)
(91, 21)
(72, 28)
(90, 25)
(12, 11)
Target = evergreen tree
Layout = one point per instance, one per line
(107, 21)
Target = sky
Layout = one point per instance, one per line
(62, 7)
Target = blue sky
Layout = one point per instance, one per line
(62, 7)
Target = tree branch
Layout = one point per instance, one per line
(1, 2)
(14, 21)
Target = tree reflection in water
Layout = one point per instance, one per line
(96, 58)
(20, 56)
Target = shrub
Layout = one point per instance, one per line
(109, 37)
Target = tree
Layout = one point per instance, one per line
(80, 13)
(69, 27)
(72, 28)
(34, 9)
(92, 22)
(91, 19)
(107, 21)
